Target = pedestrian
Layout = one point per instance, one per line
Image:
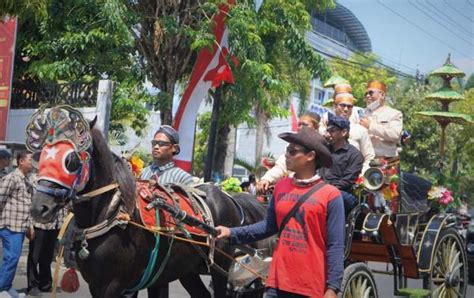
(15, 200)
(41, 253)
(5, 160)
(165, 145)
(309, 257)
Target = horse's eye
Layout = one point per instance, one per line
(72, 162)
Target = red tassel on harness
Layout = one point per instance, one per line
(70, 281)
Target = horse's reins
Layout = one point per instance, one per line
(158, 231)
(124, 217)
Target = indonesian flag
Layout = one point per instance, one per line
(211, 70)
(294, 118)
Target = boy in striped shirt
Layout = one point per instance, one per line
(165, 145)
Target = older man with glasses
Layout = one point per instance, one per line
(358, 135)
(383, 122)
(165, 145)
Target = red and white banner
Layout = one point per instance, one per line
(210, 70)
(7, 54)
(294, 118)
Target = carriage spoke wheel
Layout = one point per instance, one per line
(448, 277)
(358, 282)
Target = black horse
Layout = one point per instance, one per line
(118, 258)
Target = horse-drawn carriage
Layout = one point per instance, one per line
(115, 256)
(417, 241)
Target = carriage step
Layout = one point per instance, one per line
(413, 292)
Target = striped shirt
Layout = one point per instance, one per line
(16, 191)
(167, 173)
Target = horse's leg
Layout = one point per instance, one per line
(219, 284)
(158, 291)
(194, 286)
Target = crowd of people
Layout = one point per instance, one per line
(312, 195)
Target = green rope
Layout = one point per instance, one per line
(151, 262)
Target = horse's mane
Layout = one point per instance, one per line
(109, 168)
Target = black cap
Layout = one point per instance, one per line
(172, 135)
(4, 154)
(311, 140)
(338, 121)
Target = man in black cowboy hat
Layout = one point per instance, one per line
(347, 160)
(165, 145)
(309, 257)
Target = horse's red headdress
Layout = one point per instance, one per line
(62, 135)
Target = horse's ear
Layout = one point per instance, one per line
(92, 122)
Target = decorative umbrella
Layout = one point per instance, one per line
(334, 80)
(445, 96)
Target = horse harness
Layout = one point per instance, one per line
(116, 217)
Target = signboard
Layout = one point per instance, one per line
(7, 53)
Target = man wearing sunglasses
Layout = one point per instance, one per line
(347, 160)
(165, 145)
(358, 135)
(308, 260)
(383, 122)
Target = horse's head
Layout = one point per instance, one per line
(61, 139)
(63, 171)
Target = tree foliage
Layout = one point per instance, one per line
(74, 41)
(168, 35)
(82, 41)
(275, 61)
(360, 69)
(24, 8)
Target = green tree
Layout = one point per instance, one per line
(470, 82)
(75, 41)
(359, 69)
(167, 36)
(23, 8)
(81, 41)
(275, 62)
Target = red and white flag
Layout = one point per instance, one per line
(294, 118)
(210, 70)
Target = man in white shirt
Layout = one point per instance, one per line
(383, 122)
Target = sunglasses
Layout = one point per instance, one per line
(345, 105)
(370, 92)
(293, 150)
(160, 143)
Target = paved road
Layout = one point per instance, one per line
(384, 282)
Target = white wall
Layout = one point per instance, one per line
(18, 120)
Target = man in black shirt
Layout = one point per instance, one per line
(347, 160)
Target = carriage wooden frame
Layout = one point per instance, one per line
(418, 245)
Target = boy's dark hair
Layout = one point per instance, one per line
(20, 156)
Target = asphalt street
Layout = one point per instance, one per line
(384, 282)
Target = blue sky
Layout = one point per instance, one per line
(411, 34)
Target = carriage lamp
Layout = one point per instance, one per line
(374, 178)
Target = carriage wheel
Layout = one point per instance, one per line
(448, 277)
(358, 282)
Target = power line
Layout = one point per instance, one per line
(436, 21)
(364, 55)
(365, 66)
(447, 17)
(414, 24)
(458, 11)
